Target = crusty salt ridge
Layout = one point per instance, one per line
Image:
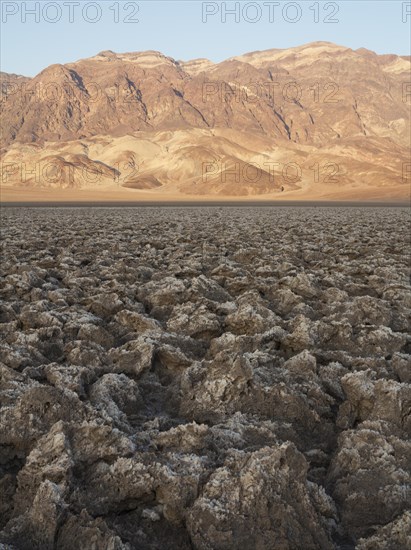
(205, 378)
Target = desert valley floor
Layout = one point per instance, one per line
(205, 378)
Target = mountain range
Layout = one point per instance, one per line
(318, 121)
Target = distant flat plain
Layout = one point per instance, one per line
(131, 204)
(86, 197)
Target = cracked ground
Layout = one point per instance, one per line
(205, 378)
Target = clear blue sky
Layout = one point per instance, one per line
(183, 30)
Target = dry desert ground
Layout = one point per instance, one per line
(205, 378)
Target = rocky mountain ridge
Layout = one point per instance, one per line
(347, 111)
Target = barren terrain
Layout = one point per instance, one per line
(314, 122)
(205, 378)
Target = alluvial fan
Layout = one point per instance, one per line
(209, 378)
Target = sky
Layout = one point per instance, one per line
(36, 34)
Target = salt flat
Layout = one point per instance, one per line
(205, 377)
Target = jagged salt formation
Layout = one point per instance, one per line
(205, 378)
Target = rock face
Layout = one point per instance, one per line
(208, 378)
(143, 121)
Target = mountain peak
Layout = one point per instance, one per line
(344, 109)
(146, 59)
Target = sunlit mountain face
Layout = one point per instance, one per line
(313, 122)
